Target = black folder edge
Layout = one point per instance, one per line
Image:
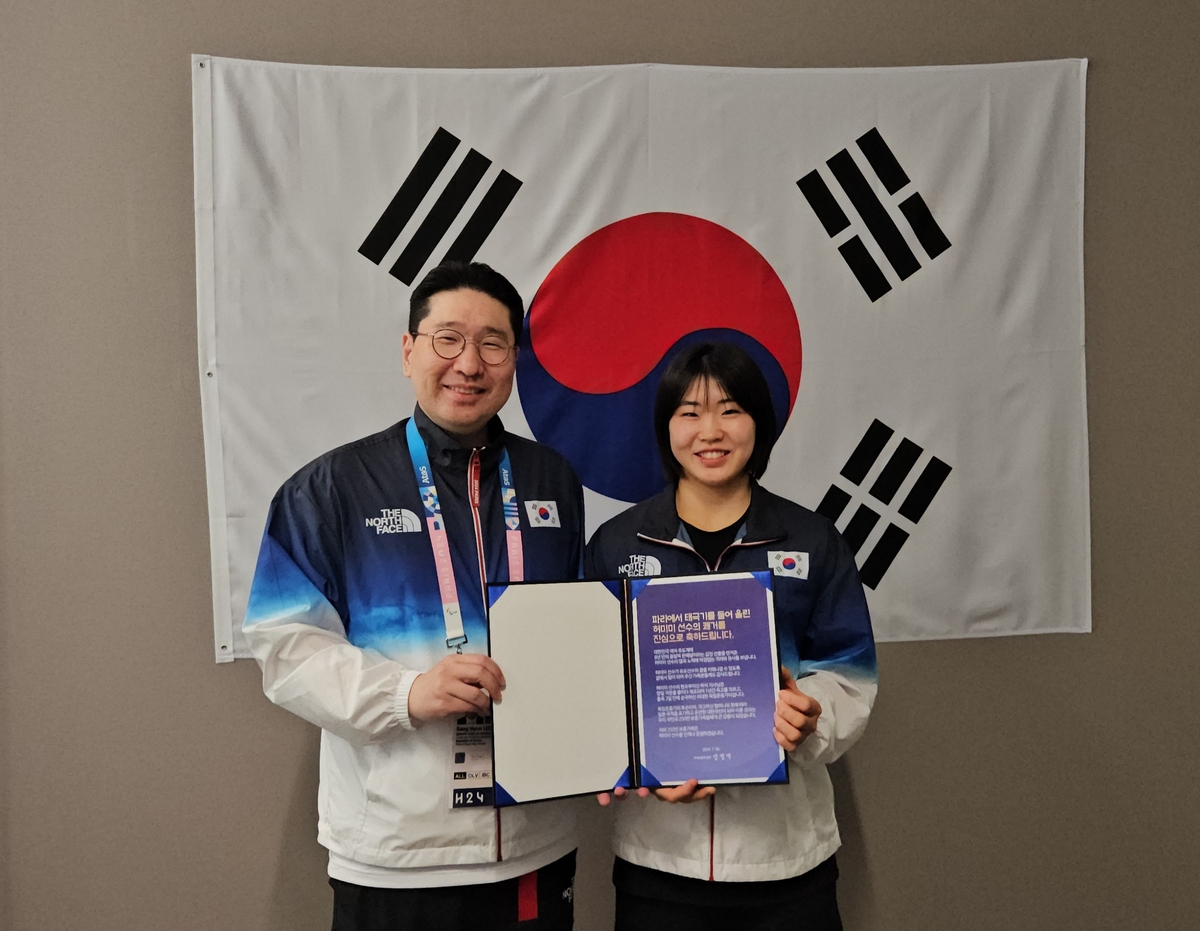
(629, 662)
(632, 725)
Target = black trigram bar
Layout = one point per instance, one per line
(929, 234)
(882, 160)
(860, 527)
(893, 475)
(815, 191)
(834, 219)
(833, 503)
(876, 218)
(867, 451)
(882, 555)
(430, 164)
(875, 215)
(896, 471)
(484, 219)
(446, 208)
(927, 485)
(864, 268)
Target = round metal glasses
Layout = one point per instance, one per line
(449, 344)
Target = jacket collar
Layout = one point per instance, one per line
(446, 452)
(661, 521)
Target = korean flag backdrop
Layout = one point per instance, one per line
(900, 249)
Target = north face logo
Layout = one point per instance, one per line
(641, 566)
(395, 520)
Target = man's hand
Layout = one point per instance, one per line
(461, 682)
(795, 713)
(619, 792)
(690, 791)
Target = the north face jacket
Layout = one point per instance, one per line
(345, 612)
(752, 833)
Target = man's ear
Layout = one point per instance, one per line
(407, 343)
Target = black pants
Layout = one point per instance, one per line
(649, 900)
(816, 913)
(480, 907)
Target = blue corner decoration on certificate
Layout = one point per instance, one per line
(707, 679)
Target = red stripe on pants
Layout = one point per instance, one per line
(527, 906)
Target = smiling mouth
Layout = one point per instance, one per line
(712, 455)
(464, 390)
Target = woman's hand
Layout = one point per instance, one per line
(619, 792)
(796, 714)
(690, 791)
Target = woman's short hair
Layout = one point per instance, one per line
(740, 379)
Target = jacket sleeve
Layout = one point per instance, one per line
(837, 664)
(298, 638)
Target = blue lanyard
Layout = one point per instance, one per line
(447, 587)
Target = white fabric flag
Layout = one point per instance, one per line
(899, 249)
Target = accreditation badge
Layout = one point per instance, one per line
(471, 774)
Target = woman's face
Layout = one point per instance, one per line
(712, 437)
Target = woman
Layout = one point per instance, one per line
(748, 856)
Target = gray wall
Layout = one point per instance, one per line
(1037, 782)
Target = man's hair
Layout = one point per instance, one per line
(454, 276)
(737, 376)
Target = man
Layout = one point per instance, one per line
(367, 617)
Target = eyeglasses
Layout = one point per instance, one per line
(449, 344)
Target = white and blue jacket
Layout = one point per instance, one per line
(755, 833)
(345, 613)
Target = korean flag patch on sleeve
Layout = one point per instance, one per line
(783, 562)
(542, 513)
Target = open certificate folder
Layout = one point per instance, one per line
(641, 682)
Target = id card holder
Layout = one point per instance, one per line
(471, 780)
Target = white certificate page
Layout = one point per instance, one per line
(561, 727)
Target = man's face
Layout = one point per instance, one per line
(462, 394)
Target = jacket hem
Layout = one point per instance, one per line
(454, 854)
(729, 872)
(429, 877)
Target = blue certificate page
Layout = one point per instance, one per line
(707, 679)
